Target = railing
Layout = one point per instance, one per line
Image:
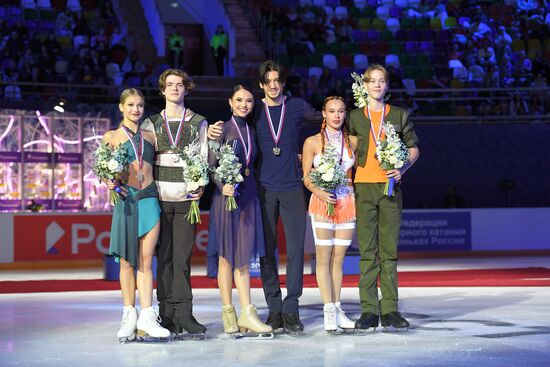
(434, 105)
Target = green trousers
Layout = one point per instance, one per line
(378, 225)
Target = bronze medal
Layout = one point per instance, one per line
(246, 172)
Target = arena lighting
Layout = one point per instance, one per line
(10, 125)
(60, 106)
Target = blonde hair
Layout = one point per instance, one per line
(367, 74)
(130, 92)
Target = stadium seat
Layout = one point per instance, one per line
(315, 71)
(393, 25)
(360, 4)
(392, 60)
(341, 12)
(383, 12)
(330, 61)
(360, 61)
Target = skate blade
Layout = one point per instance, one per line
(295, 334)
(395, 330)
(143, 337)
(127, 339)
(252, 335)
(365, 331)
(189, 336)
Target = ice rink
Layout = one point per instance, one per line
(450, 326)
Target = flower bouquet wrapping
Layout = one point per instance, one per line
(109, 164)
(195, 176)
(329, 174)
(228, 170)
(392, 154)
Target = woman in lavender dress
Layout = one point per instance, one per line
(238, 234)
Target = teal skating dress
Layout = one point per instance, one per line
(135, 216)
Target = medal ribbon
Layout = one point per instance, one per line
(174, 142)
(342, 143)
(138, 151)
(247, 149)
(376, 137)
(276, 136)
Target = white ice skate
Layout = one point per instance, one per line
(127, 331)
(342, 319)
(148, 326)
(329, 312)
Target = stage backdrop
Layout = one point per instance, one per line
(83, 236)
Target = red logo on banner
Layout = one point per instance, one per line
(61, 237)
(82, 237)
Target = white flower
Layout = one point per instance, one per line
(328, 176)
(114, 166)
(399, 164)
(393, 160)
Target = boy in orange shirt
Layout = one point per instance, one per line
(379, 215)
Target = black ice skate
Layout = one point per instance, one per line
(393, 321)
(166, 314)
(292, 324)
(365, 322)
(275, 320)
(186, 327)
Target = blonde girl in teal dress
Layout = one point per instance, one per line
(135, 224)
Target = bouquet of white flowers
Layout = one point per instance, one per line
(329, 174)
(359, 89)
(392, 154)
(195, 175)
(228, 170)
(109, 164)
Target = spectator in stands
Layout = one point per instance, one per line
(410, 104)
(133, 67)
(64, 24)
(536, 106)
(492, 78)
(502, 41)
(175, 49)
(326, 81)
(118, 37)
(218, 46)
(279, 47)
(476, 74)
(518, 106)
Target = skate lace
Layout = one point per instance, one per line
(157, 317)
(342, 314)
(253, 314)
(125, 317)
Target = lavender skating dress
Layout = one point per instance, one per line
(238, 234)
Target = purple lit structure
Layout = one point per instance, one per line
(48, 159)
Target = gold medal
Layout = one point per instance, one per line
(246, 172)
